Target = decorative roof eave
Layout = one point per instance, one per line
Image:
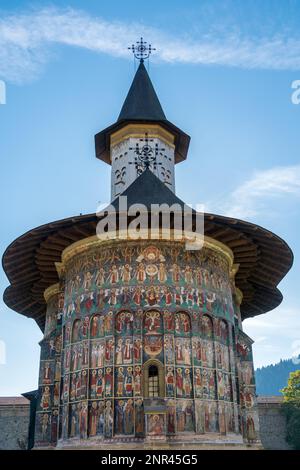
(41, 247)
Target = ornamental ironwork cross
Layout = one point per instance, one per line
(141, 50)
(146, 155)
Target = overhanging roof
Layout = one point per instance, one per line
(29, 262)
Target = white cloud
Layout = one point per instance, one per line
(276, 335)
(25, 41)
(260, 339)
(282, 318)
(254, 195)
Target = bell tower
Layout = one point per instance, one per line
(142, 137)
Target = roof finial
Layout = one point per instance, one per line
(141, 50)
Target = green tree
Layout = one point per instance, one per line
(291, 408)
(291, 393)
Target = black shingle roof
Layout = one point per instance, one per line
(142, 102)
(147, 189)
(141, 106)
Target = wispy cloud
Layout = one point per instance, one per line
(259, 192)
(276, 335)
(26, 40)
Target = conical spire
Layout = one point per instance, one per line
(141, 105)
(142, 102)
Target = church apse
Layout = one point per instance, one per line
(148, 347)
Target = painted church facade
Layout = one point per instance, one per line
(144, 342)
(143, 339)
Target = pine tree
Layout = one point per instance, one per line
(272, 378)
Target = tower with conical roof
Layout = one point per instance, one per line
(141, 115)
(143, 339)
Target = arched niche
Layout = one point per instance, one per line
(124, 323)
(152, 322)
(182, 323)
(97, 326)
(206, 325)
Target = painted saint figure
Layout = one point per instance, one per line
(137, 350)
(179, 382)
(198, 383)
(139, 418)
(108, 380)
(93, 419)
(108, 419)
(137, 380)
(45, 399)
(170, 382)
(128, 417)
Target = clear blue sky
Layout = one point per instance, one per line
(223, 72)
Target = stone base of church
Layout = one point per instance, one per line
(212, 441)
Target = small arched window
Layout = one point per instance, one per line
(153, 381)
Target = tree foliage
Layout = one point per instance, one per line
(291, 408)
(291, 392)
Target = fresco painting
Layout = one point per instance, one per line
(185, 415)
(94, 284)
(119, 314)
(155, 424)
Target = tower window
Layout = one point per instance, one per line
(153, 384)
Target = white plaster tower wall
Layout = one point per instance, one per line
(123, 168)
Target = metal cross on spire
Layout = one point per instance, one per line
(141, 50)
(146, 155)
